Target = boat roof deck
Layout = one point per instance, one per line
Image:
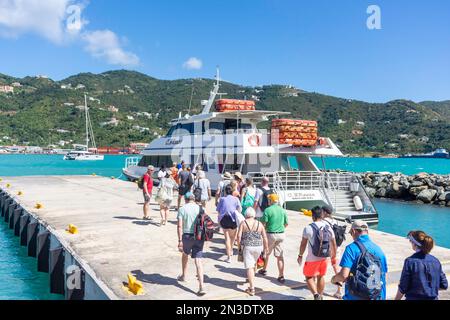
(114, 241)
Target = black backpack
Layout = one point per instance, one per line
(321, 241)
(265, 199)
(365, 280)
(339, 232)
(197, 192)
(203, 226)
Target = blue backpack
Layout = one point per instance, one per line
(365, 280)
(321, 241)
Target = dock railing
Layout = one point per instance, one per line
(131, 161)
(328, 183)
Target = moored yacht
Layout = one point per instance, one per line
(83, 152)
(230, 140)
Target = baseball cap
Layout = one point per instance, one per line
(327, 209)
(360, 225)
(189, 196)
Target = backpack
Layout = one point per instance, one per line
(140, 182)
(203, 226)
(339, 232)
(365, 280)
(265, 200)
(321, 241)
(248, 201)
(222, 190)
(197, 192)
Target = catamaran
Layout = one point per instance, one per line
(229, 140)
(83, 152)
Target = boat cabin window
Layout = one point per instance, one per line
(186, 129)
(234, 124)
(156, 161)
(215, 127)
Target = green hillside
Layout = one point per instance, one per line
(43, 112)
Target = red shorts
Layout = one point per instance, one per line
(315, 268)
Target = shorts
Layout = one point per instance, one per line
(315, 268)
(182, 190)
(276, 243)
(192, 247)
(146, 198)
(228, 223)
(251, 255)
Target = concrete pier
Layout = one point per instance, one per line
(113, 241)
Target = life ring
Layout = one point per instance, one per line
(254, 140)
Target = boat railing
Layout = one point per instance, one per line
(131, 161)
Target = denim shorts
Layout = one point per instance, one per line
(192, 247)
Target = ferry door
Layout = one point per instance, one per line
(212, 168)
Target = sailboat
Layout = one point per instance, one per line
(81, 152)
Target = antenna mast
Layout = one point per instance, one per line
(87, 121)
(213, 93)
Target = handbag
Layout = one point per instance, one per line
(241, 254)
(261, 261)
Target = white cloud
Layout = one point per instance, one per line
(105, 44)
(193, 63)
(45, 18)
(61, 21)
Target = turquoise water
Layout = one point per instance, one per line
(20, 280)
(401, 217)
(406, 166)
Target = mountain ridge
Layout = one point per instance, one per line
(41, 107)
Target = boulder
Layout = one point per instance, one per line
(416, 190)
(417, 183)
(380, 193)
(427, 195)
(448, 204)
(371, 192)
(422, 175)
(444, 196)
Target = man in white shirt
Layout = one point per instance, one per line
(261, 200)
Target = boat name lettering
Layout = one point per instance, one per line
(173, 141)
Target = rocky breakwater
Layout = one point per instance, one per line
(421, 188)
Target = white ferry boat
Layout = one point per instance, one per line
(231, 142)
(82, 152)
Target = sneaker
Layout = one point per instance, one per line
(228, 260)
(318, 297)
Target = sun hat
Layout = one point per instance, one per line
(227, 176)
(360, 225)
(239, 175)
(189, 196)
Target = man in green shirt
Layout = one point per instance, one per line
(275, 219)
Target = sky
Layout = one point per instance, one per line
(348, 48)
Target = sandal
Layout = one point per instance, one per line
(201, 293)
(338, 296)
(262, 272)
(281, 279)
(181, 279)
(250, 291)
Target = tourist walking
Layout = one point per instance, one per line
(339, 236)
(239, 183)
(147, 190)
(248, 194)
(422, 276)
(319, 238)
(220, 192)
(174, 171)
(186, 180)
(228, 208)
(234, 188)
(363, 267)
(275, 220)
(202, 186)
(162, 172)
(165, 195)
(252, 242)
(261, 197)
(187, 243)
